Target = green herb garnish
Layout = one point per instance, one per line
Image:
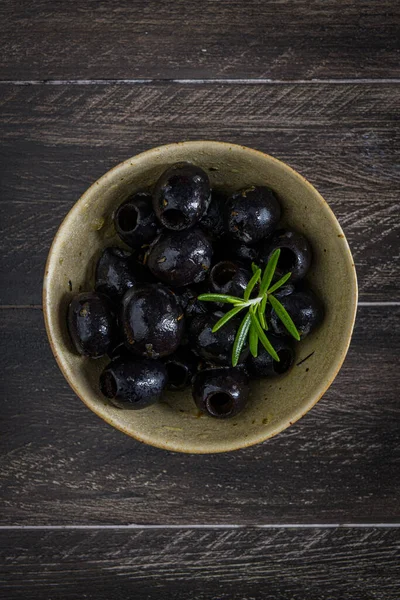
(254, 324)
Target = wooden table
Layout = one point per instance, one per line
(89, 513)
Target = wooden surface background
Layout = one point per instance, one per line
(86, 512)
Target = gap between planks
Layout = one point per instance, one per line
(39, 306)
(204, 526)
(253, 81)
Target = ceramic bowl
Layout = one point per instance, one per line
(175, 424)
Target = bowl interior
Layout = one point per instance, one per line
(175, 423)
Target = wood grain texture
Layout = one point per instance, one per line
(229, 38)
(244, 564)
(60, 464)
(56, 140)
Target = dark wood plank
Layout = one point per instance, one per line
(61, 464)
(185, 38)
(59, 139)
(185, 564)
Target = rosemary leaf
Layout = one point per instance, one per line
(279, 283)
(263, 338)
(284, 317)
(269, 271)
(240, 338)
(220, 298)
(227, 316)
(250, 286)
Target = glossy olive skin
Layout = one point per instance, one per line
(91, 324)
(215, 347)
(181, 368)
(295, 257)
(252, 214)
(114, 273)
(181, 196)
(306, 311)
(213, 221)
(263, 365)
(221, 393)
(180, 258)
(227, 277)
(133, 384)
(285, 290)
(188, 299)
(135, 220)
(152, 320)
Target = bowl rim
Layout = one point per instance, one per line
(171, 446)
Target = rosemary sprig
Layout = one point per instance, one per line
(254, 324)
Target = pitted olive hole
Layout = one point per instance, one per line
(287, 260)
(223, 273)
(173, 217)
(219, 404)
(176, 374)
(108, 385)
(285, 362)
(127, 218)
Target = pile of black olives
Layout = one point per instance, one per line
(187, 239)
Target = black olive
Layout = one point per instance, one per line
(252, 214)
(135, 220)
(191, 305)
(227, 277)
(285, 290)
(213, 221)
(235, 250)
(221, 393)
(133, 384)
(180, 258)
(152, 320)
(244, 253)
(215, 347)
(181, 367)
(181, 196)
(90, 324)
(263, 365)
(114, 273)
(305, 309)
(295, 256)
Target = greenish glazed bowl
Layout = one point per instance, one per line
(175, 424)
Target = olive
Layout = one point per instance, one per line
(213, 221)
(114, 273)
(181, 196)
(135, 220)
(227, 277)
(304, 308)
(263, 365)
(180, 258)
(190, 303)
(295, 256)
(285, 290)
(152, 320)
(221, 392)
(252, 214)
(133, 384)
(90, 324)
(181, 367)
(235, 250)
(215, 347)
